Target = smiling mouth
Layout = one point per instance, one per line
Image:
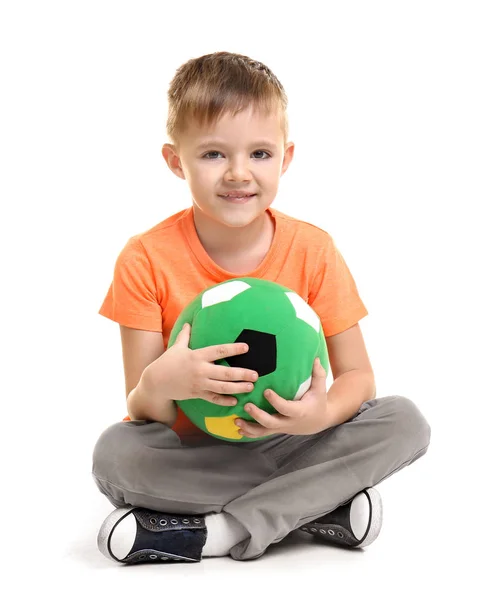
(237, 199)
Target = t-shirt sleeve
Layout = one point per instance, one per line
(132, 297)
(333, 294)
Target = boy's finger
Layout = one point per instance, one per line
(288, 408)
(183, 336)
(319, 372)
(212, 353)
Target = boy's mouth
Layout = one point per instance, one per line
(237, 199)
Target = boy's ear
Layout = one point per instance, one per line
(288, 157)
(172, 159)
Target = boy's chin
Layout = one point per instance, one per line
(232, 218)
(236, 221)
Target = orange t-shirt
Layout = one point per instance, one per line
(160, 271)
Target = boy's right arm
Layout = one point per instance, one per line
(156, 378)
(139, 350)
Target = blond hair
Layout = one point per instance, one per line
(205, 88)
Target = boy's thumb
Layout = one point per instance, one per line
(319, 369)
(184, 335)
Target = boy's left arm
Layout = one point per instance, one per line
(354, 381)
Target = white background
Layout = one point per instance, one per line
(396, 112)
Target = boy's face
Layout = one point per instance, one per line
(245, 153)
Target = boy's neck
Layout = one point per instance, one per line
(220, 241)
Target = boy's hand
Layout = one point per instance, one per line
(181, 373)
(302, 417)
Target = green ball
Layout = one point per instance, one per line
(284, 335)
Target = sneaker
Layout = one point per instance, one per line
(137, 535)
(355, 524)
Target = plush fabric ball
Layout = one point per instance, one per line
(284, 336)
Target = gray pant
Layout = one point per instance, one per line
(270, 486)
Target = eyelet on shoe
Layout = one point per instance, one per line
(163, 522)
(164, 558)
(174, 522)
(153, 520)
(185, 521)
(142, 557)
(197, 520)
(322, 531)
(304, 529)
(153, 556)
(340, 534)
(313, 529)
(331, 532)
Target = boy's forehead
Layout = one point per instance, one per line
(254, 124)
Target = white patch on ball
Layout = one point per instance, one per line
(304, 311)
(223, 293)
(303, 389)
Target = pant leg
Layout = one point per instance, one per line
(385, 436)
(271, 486)
(146, 464)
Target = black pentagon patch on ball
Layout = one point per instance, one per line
(261, 355)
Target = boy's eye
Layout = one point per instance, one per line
(263, 152)
(213, 152)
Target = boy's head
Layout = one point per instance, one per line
(229, 129)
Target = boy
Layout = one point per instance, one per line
(179, 493)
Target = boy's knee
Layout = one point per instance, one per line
(109, 450)
(409, 422)
(121, 444)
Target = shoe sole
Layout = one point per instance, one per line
(328, 530)
(109, 524)
(375, 519)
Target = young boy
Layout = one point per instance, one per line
(180, 494)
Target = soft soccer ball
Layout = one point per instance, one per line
(284, 336)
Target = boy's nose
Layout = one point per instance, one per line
(238, 171)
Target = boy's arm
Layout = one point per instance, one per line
(139, 350)
(354, 381)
